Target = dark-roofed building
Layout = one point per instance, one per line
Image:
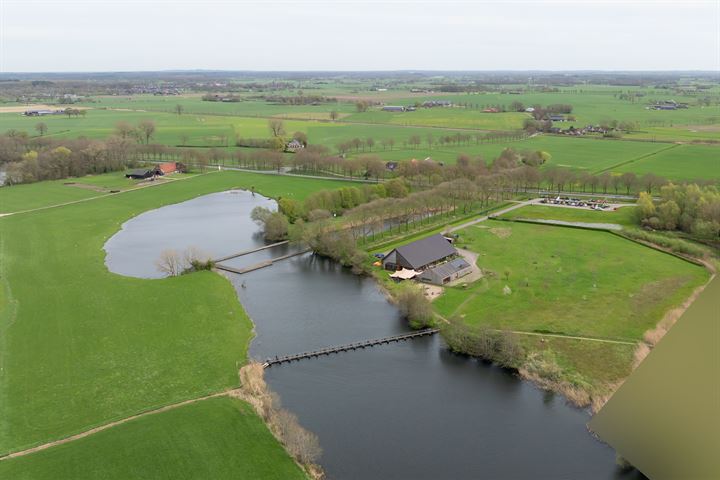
(446, 272)
(420, 255)
(140, 173)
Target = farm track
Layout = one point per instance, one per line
(115, 423)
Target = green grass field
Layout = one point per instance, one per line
(568, 281)
(625, 216)
(219, 438)
(81, 346)
(683, 162)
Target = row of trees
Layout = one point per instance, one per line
(689, 208)
(56, 159)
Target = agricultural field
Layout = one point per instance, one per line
(451, 117)
(217, 124)
(683, 162)
(567, 281)
(112, 346)
(225, 433)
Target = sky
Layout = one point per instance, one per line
(137, 35)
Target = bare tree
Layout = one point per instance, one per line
(334, 115)
(41, 128)
(629, 179)
(277, 127)
(179, 109)
(147, 130)
(170, 263)
(124, 129)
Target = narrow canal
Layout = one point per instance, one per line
(409, 410)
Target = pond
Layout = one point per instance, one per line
(404, 410)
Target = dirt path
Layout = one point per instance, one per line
(496, 213)
(92, 431)
(574, 337)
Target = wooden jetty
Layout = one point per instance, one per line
(247, 252)
(350, 346)
(258, 266)
(240, 271)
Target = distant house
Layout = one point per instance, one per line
(491, 110)
(41, 113)
(420, 255)
(557, 118)
(436, 103)
(166, 168)
(294, 145)
(529, 109)
(446, 272)
(393, 108)
(391, 166)
(140, 173)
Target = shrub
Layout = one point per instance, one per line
(413, 305)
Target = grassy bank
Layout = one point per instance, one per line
(81, 346)
(219, 438)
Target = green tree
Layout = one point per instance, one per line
(646, 206)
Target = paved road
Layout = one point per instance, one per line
(495, 213)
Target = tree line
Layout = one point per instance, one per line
(46, 159)
(691, 209)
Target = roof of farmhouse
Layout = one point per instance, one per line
(426, 250)
(447, 269)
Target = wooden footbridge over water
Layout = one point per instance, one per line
(350, 346)
(256, 266)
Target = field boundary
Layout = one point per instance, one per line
(114, 423)
(633, 160)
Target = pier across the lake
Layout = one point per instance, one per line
(247, 252)
(350, 346)
(258, 266)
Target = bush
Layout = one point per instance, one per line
(500, 347)
(414, 306)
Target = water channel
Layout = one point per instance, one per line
(410, 410)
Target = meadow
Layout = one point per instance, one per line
(684, 162)
(219, 438)
(567, 281)
(100, 346)
(217, 124)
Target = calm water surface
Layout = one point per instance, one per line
(410, 410)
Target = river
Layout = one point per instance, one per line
(410, 410)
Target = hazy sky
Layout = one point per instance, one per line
(99, 35)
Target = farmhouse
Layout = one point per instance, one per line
(140, 173)
(393, 108)
(294, 145)
(446, 272)
(391, 166)
(420, 255)
(41, 113)
(557, 118)
(166, 168)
